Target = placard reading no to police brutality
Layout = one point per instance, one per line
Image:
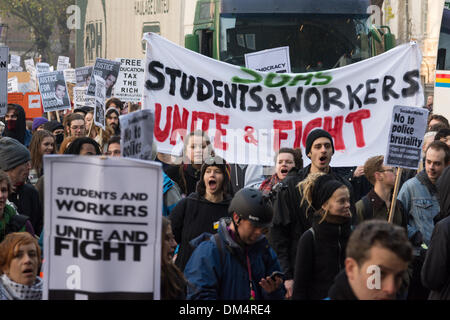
(102, 232)
(408, 127)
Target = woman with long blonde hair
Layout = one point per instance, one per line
(321, 249)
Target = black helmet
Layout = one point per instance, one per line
(250, 204)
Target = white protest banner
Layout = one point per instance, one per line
(69, 75)
(249, 115)
(99, 110)
(42, 67)
(137, 135)
(53, 89)
(83, 76)
(102, 231)
(80, 99)
(13, 84)
(270, 60)
(130, 83)
(63, 63)
(408, 128)
(4, 55)
(109, 71)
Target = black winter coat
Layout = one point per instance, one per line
(291, 220)
(26, 199)
(186, 176)
(320, 257)
(190, 218)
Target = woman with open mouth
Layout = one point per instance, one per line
(20, 258)
(201, 210)
(285, 160)
(321, 249)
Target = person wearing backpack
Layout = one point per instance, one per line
(376, 204)
(321, 249)
(237, 263)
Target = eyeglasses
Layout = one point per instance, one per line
(77, 127)
(394, 170)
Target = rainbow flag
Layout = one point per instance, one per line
(443, 80)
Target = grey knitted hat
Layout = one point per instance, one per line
(12, 153)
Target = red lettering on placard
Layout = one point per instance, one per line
(279, 126)
(356, 118)
(220, 132)
(162, 135)
(336, 131)
(315, 123)
(179, 126)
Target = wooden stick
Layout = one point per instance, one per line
(49, 116)
(394, 196)
(57, 116)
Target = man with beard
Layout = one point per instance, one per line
(291, 219)
(419, 198)
(112, 120)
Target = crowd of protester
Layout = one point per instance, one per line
(239, 232)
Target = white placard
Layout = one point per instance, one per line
(137, 135)
(408, 126)
(102, 231)
(270, 60)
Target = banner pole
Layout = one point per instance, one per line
(394, 195)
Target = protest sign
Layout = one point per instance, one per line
(130, 83)
(13, 84)
(69, 75)
(99, 110)
(83, 76)
(137, 135)
(270, 60)
(102, 231)
(80, 99)
(15, 60)
(63, 63)
(42, 67)
(249, 115)
(4, 55)
(109, 71)
(53, 90)
(31, 69)
(406, 134)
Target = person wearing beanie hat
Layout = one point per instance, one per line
(15, 123)
(38, 123)
(292, 217)
(199, 212)
(321, 249)
(15, 161)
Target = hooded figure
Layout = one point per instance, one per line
(436, 268)
(198, 213)
(16, 128)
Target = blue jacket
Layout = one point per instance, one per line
(210, 280)
(420, 205)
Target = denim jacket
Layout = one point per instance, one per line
(421, 207)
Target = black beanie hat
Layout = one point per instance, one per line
(313, 136)
(324, 187)
(214, 162)
(53, 125)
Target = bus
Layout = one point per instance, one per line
(320, 34)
